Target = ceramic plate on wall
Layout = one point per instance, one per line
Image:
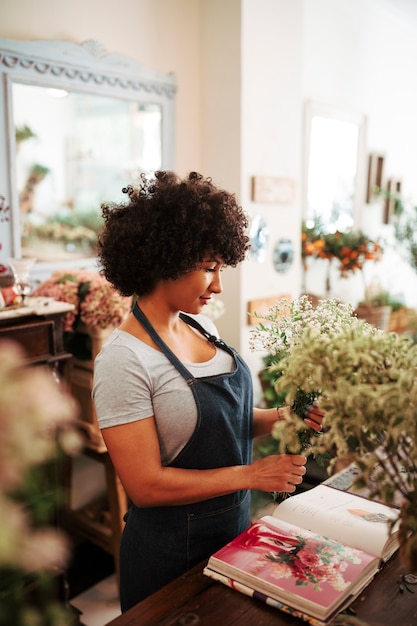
(283, 256)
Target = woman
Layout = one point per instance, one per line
(174, 402)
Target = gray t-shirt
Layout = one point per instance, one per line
(133, 381)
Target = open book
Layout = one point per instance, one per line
(313, 556)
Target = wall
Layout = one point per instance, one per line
(360, 55)
(160, 34)
(354, 54)
(271, 142)
(251, 111)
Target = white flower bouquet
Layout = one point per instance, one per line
(278, 336)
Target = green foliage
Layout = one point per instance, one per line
(32, 600)
(286, 323)
(87, 219)
(23, 133)
(268, 377)
(383, 298)
(405, 224)
(39, 171)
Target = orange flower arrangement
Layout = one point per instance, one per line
(352, 249)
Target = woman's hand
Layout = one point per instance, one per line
(278, 473)
(314, 417)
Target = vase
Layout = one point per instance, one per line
(98, 337)
(378, 316)
(399, 320)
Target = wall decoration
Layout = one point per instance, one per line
(375, 175)
(261, 307)
(273, 189)
(258, 235)
(283, 256)
(392, 191)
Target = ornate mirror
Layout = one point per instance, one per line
(77, 124)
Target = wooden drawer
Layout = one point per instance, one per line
(37, 339)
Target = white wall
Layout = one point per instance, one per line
(221, 115)
(271, 142)
(251, 111)
(360, 55)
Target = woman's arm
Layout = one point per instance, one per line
(264, 419)
(134, 450)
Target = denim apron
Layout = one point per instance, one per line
(161, 543)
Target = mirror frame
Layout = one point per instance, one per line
(313, 109)
(86, 68)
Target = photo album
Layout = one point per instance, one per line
(313, 556)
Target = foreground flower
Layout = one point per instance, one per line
(287, 321)
(34, 413)
(214, 309)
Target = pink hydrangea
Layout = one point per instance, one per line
(97, 304)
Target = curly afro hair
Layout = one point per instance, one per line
(167, 228)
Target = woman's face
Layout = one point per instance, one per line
(194, 290)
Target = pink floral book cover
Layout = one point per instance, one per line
(297, 563)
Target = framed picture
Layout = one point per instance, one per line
(393, 188)
(261, 307)
(375, 175)
(273, 190)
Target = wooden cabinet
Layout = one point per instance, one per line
(39, 330)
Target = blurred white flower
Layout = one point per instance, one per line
(214, 309)
(36, 415)
(47, 549)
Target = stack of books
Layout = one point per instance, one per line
(314, 555)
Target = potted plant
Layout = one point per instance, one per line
(376, 308)
(99, 308)
(350, 249)
(404, 220)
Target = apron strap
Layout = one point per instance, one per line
(143, 320)
(185, 373)
(212, 338)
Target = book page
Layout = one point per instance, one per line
(345, 479)
(346, 517)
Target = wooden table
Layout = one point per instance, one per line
(195, 600)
